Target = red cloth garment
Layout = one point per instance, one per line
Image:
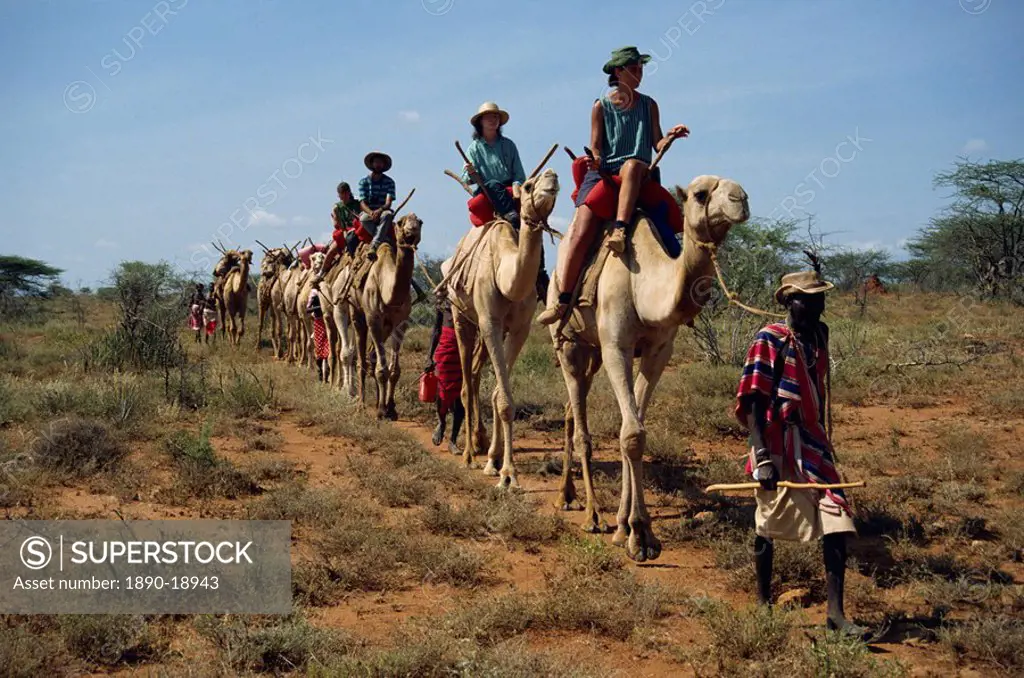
(480, 210)
(579, 170)
(195, 318)
(603, 201)
(448, 369)
(211, 328)
(795, 432)
(320, 345)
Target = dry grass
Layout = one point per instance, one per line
(996, 641)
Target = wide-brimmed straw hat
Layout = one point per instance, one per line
(625, 56)
(368, 160)
(807, 282)
(489, 107)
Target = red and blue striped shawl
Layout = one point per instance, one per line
(803, 447)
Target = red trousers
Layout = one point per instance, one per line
(480, 210)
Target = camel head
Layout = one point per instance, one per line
(245, 256)
(407, 231)
(273, 260)
(316, 261)
(711, 206)
(537, 197)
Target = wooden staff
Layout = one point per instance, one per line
(543, 162)
(407, 198)
(740, 487)
(457, 178)
(474, 175)
(265, 248)
(661, 153)
(572, 156)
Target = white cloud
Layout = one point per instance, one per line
(559, 223)
(104, 244)
(974, 146)
(264, 218)
(409, 116)
(300, 221)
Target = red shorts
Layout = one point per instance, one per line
(603, 199)
(480, 210)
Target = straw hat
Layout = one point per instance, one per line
(489, 107)
(368, 160)
(807, 282)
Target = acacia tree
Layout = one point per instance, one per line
(22, 279)
(978, 239)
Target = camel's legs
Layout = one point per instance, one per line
(361, 329)
(275, 328)
(378, 338)
(513, 344)
(578, 368)
(240, 326)
(466, 333)
(476, 426)
(348, 350)
(394, 373)
(504, 408)
(634, 524)
(262, 307)
(652, 366)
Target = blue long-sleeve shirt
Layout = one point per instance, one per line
(495, 162)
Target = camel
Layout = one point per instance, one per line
(642, 298)
(233, 295)
(275, 262)
(494, 297)
(380, 306)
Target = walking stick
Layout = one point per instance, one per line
(543, 162)
(407, 198)
(473, 174)
(457, 178)
(741, 487)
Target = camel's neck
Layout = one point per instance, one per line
(395, 285)
(673, 291)
(695, 281)
(518, 265)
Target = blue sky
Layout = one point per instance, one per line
(139, 130)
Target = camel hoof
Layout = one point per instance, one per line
(596, 526)
(621, 536)
(508, 483)
(490, 469)
(569, 505)
(643, 545)
(472, 465)
(391, 413)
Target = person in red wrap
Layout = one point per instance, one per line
(781, 401)
(443, 358)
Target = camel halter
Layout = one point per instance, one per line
(711, 248)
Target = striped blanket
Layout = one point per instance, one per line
(801, 447)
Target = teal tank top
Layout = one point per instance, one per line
(627, 134)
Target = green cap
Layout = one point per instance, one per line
(624, 56)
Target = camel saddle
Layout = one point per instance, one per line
(582, 313)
